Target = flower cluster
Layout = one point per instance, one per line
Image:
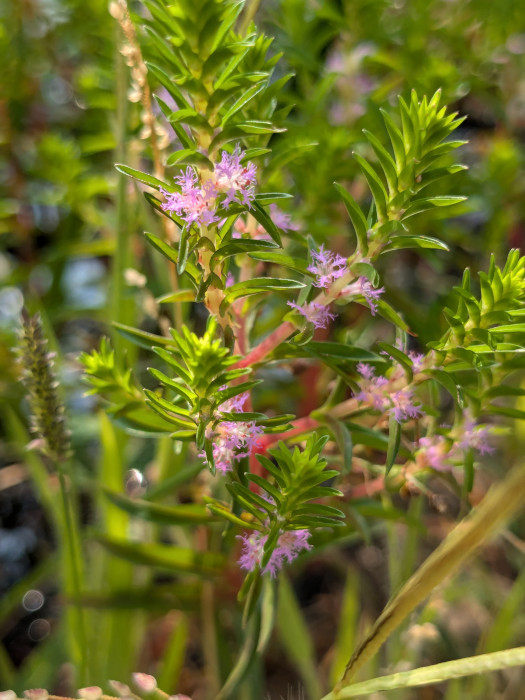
(289, 545)
(197, 201)
(235, 179)
(363, 287)
(439, 452)
(234, 439)
(377, 393)
(318, 314)
(327, 266)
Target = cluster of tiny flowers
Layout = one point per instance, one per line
(318, 314)
(234, 439)
(363, 287)
(288, 547)
(235, 179)
(327, 266)
(417, 358)
(197, 202)
(374, 392)
(281, 219)
(439, 453)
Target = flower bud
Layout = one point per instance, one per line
(144, 682)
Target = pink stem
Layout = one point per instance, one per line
(301, 425)
(268, 344)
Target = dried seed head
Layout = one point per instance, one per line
(48, 423)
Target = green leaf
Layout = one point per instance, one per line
(438, 673)
(342, 351)
(447, 382)
(260, 127)
(184, 250)
(262, 217)
(386, 160)
(295, 264)
(394, 441)
(376, 186)
(186, 514)
(166, 557)
(400, 357)
(295, 637)
(241, 245)
(142, 338)
(170, 85)
(408, 241)
(241, 102)
(265, 198)
(172, 383)
(390, 314)
(257, 285)
(189, 157)
(356, 215)
(143, 177)
(180, 295)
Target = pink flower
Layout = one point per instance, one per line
(289, 545)
(318, 314)
(365, 370)
(375, 392)
(327, 266)
(233, 439)
(363, 287)
(475, 437)
(417, 360)
(194, 203)
(281, 219)
(235, 179)
(403, 407)
(433, 452)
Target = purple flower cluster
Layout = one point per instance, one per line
(289, 545)
(439, 453)
(234, 439)
(197, 201)
(375, 392)
(327, 266)
(363, 287)
(318, 314)
(236, 180)
(281, 219)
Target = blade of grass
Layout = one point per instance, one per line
(497, 507)
(438, 673)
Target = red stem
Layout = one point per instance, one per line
(278, 336)
(301, 425)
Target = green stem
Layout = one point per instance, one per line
(74, 564)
